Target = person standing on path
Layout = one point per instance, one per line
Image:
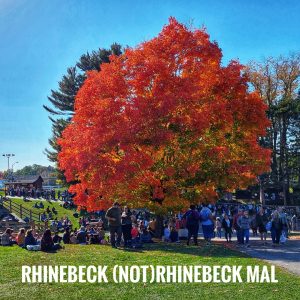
(192, 224)
(244, 224)
(113, 215)
(126, 226)
(207, 221)
(261, 221)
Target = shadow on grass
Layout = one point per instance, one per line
(203, 250)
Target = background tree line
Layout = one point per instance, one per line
(277, 82)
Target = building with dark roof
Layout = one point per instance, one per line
(27, 182)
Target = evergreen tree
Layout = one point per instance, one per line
(61, 105)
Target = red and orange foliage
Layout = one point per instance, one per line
(164, 125)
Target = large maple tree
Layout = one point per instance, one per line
(164, 125)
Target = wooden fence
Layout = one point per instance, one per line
(21, 211)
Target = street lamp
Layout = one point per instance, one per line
(8, 156)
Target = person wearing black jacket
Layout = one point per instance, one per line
(126, 225)
(261, 222)
(66, 236)
(192, 223)
(276, 227)
(227, 225)
(47, 243)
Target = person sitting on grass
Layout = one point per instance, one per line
(6, 238)
(94, 239)
(21, 237)
(56, 238)
(43, 217)
(166, 236)
(146, 236)
(92, 230)
(47, 243)
(174, 235)
(134, 232)
(82, 236)
(73, 238)
(29, 239)
(66, 236)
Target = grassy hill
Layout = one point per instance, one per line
(61, 212)
(12, 258)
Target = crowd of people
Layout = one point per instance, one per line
(37, 193)
(134, 228)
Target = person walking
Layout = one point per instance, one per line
(113, 215)
(261, 221)
(227, 225)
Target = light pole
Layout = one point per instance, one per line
(8, 156)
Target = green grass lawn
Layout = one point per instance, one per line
(61, 212)
(12, 258)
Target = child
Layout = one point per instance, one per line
(166, 236)
(219, 227)
(134, 232)
(135, 242)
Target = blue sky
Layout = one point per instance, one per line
(39, 39)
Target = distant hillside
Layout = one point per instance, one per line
(36, 170)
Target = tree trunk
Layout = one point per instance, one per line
(159, 226)
(261, 193)
(274, 153)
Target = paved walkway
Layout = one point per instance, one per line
(286, 256)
